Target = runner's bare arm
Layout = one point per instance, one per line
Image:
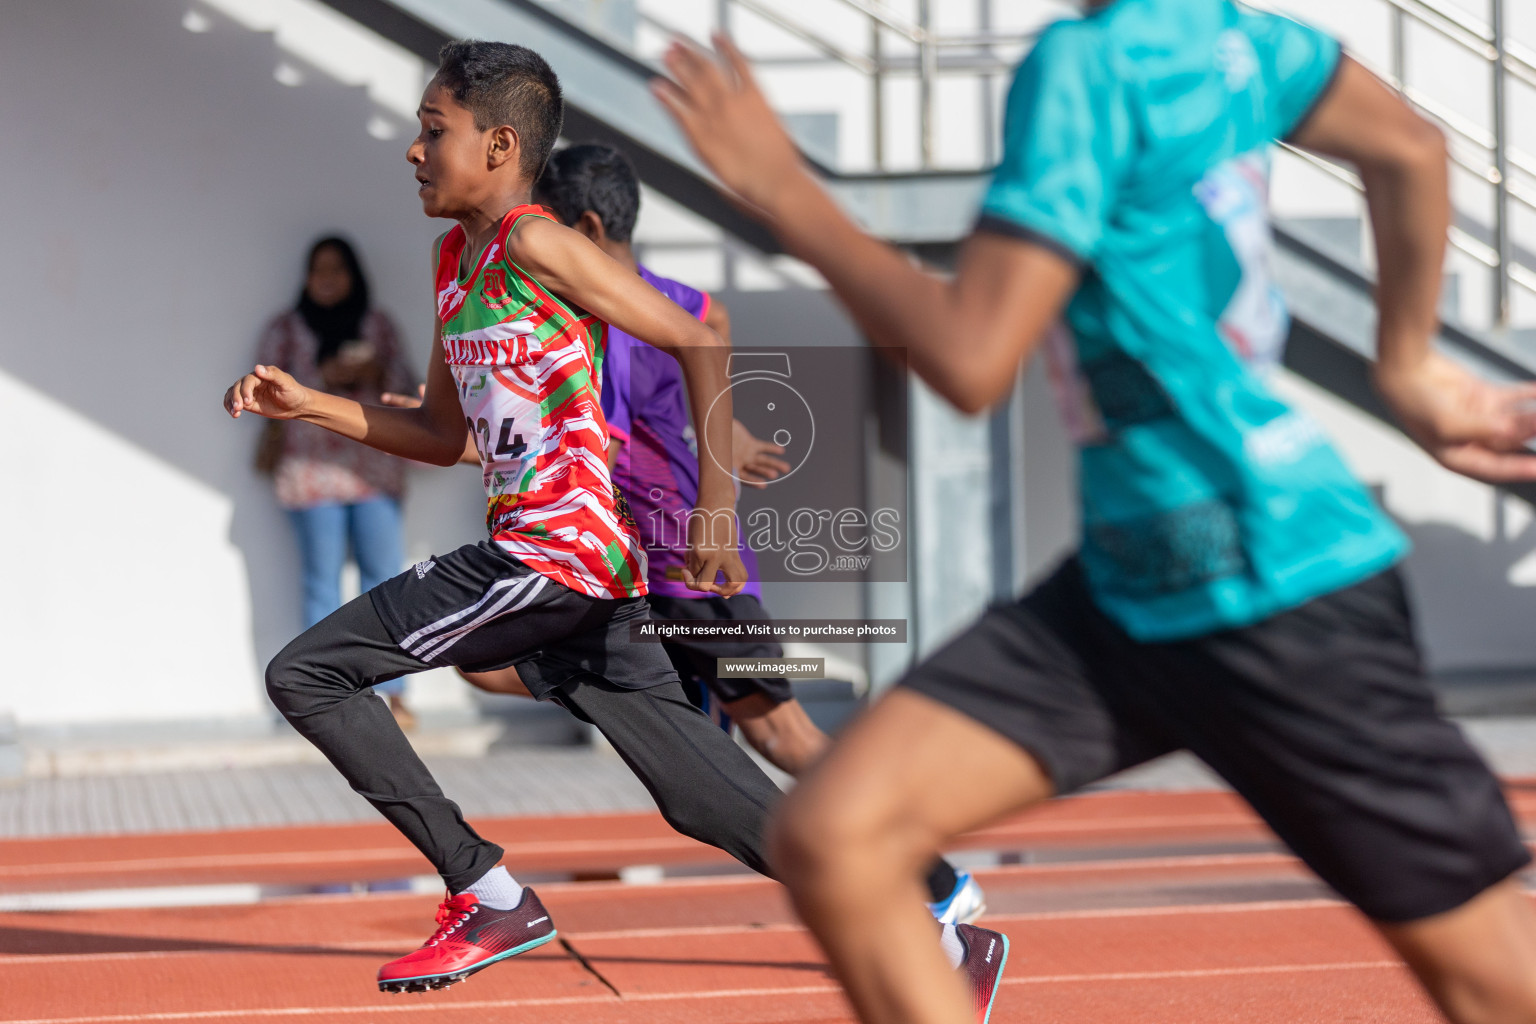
(433, 432)
(1469, 425)
(753, 461)
(718, 319)
(965, 336)
(471, 456)
(571, 266)
(1402, 160)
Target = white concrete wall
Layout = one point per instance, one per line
(1472, 573)
(160, 198)
(161, 188)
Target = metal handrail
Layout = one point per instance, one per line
(1458, 238)
(924, 53)
(1457, 26)
(1489, 42)
(806, 35)
(926, 64)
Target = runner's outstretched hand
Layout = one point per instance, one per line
(755, 461)
(712, 551)
(1468, 425)
(399, 401)
(728, 121)
(267, 391)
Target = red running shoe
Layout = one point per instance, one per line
(985, 954)
(469, 938)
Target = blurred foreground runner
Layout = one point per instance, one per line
(1235, 592)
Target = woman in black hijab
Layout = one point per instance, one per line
(339, 494)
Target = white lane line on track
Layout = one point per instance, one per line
(138, 898)
(380, 946)
(568, 846)
(1201, 972)
(1139, 823)
(146, 897)
(560, 847)
(1169, 910)
(123, 898)
(404, 945)
(647, 846)
(981, 840)
(657, 997)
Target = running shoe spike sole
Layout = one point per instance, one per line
(986, 956)
(429, 982)
(997, 982)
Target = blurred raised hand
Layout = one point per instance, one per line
(755, 462)
(1469, 425)
(726, 118)
(267, 391)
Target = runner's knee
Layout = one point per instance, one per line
(286, 683)
(298, 684)
(691, 813)
(816, 835)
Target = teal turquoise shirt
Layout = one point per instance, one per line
(1137, 144)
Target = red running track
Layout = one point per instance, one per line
(582, 844)
(1133, 934)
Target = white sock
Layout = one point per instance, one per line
(953, 947)
(497, 889)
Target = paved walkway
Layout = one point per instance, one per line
(533, 781)
(501, 783)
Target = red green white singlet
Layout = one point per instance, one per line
(527, 371)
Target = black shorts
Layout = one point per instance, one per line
(479, 608)
(1320, 717)
(695, 660)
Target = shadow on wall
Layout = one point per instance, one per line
(1477, 659)
(169, 191)
(160, 217)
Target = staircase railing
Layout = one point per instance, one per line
(886, 48)
(1482, 151)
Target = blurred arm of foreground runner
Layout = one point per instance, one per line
(1467, 424)
(967, 335)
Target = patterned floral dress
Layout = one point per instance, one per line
(317, 467)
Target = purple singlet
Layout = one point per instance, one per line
(646, 407)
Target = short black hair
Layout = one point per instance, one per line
(592, 177)
(503, 83)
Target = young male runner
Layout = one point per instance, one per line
(1234, 592)
(654, 462)
(522, 304)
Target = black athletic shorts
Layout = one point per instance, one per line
(695, 660)
(1320, 717)
(480, 609)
